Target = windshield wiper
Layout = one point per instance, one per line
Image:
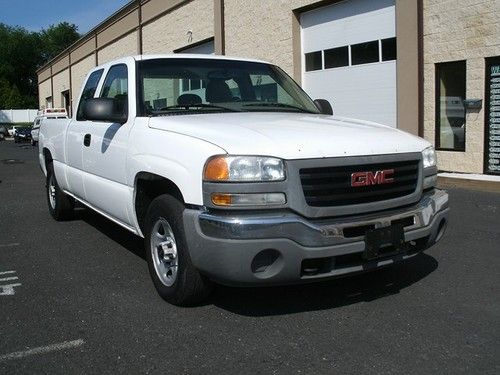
(171, 108)
(276, 105)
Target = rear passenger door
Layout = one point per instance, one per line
(77, 129)
(104, 157)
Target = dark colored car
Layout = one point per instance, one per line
(22, 134)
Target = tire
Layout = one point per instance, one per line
(163, 225)
(61, 205)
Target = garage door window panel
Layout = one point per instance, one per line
(389, 50)
(336, 57)
(450, 111)
(314, 61)
(365, 53)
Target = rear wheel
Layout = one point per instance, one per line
(61, 205)
(174, 276)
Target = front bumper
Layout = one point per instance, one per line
(285, 248)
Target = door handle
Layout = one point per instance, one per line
(86, 140)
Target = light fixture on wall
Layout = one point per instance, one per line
(190, 36)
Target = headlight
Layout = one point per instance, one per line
(244, 169)
(429, 157)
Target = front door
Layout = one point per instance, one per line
(492, 117)
(104, 156)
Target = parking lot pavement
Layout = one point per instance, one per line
(81, 301)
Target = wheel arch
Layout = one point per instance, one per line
(148, 186)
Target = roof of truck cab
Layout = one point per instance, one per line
(195, 56)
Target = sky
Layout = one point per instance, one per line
(34, 15)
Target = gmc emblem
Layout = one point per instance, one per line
(359, 179)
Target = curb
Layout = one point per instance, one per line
(467, 183)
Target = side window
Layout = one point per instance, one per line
(116, 83)
(116, 86)
(88, 92)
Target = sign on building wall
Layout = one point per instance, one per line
(492, 144)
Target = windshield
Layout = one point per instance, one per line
(174, 86)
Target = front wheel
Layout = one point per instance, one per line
(174, 276)
(61, 205)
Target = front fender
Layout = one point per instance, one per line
(176, 157)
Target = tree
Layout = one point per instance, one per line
(57, 38)
(22, 53)
(19, 59)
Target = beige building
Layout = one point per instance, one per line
(430, 67)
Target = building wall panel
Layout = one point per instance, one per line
(78, 73)
(60, 64)
(44, 91)
(84, 49)
(125, 46)
(170, 32)
(152, 8)
(61, 83)
(125, 24)
(44, 74)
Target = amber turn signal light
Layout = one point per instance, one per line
(221, 199)
(216, 169)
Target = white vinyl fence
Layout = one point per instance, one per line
(12, 116)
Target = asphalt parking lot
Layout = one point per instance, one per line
(76, 297)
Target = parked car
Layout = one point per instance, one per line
(22, 135)
(49, 113)
(227, 187)
(13, 129)
(4, 132)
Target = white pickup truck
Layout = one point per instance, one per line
(232, 174)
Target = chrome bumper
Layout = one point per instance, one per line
(270, 249)
(319, 232)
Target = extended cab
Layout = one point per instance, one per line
(232, 174)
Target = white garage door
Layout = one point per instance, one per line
(349, 58)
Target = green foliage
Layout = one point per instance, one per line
(21, 53)
(56, 38)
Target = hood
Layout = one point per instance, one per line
(291, 135)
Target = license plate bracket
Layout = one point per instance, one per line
(378, 239)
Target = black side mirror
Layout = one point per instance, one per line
(324, 106)
(106, 110)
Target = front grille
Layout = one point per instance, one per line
(331, 186)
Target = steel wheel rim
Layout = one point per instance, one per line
(164, 252)
(52, 192)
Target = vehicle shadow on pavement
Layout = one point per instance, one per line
(123, 237)
(268, 301)
(325, 295)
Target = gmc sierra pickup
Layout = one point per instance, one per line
(232, 174)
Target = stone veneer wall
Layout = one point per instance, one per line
(460, 30)
(170, 32)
